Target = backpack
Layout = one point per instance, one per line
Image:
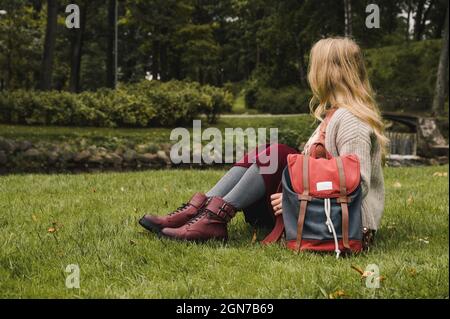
(322, 201)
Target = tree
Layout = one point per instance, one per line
(423, 10)
(77, 50)
(45, 82)
(442, 73)
(111, 71)
(348, 18)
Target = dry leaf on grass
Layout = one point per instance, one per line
(51, 230)
(410, 200)
(440, 174)
(337, 294)
(254, 236)
(397, 185)
(358, 269)
(412, 271)
(34, 217)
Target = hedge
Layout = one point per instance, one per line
(286, 100)
(138, 105)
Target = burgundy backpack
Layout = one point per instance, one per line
(321, 201)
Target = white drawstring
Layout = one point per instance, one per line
(329, 223)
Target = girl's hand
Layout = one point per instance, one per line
(276, 201)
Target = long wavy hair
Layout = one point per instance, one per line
(338, 78)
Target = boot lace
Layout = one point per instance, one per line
(197, 217)
(179, 209)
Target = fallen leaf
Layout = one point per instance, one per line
(412, 271)
(440, 174)
(132, 242)
(358, 269)
(254, 237)
(397, 185)
(410, 200)
(34, 217)
(51, 230)
(337, 294)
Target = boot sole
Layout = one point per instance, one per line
(149, 226)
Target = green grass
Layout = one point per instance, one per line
(239, 106)
(302, 124)
(96, 221)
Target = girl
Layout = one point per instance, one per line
(338, 79)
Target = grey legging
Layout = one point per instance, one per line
(240, 186)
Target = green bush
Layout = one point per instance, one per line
(286, 100)
(139, 105)
(404, 76)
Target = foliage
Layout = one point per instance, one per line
(278, 101)
(140, 105)
(404, 76)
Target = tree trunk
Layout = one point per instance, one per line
(441, 90)
(348, 18)
(408, 20)
(301, 64)
(77, 51)
(45, 82)
(155, 60)
(111, 54)
(421, 18)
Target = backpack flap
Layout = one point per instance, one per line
(324, 175)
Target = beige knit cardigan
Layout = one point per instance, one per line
(346, 134)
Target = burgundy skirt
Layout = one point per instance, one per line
(260, 213)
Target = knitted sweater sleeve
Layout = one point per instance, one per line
(355, 137)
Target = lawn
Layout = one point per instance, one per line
(50, 221)
(301, 125)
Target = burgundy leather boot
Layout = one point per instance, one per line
(177, 218)
(210, 223)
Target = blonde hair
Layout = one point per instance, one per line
(338, 78)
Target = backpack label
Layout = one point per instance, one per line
(324, 186)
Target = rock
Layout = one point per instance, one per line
(25, 145)
(52, 157)
(147, 157)
(7, 145)
(142, 148)
(129, 155)
(166, 147)
(92, 149)
(102, 151)
(163, 157)
(113, 158)
(82, 156)
(3, 158)
(67, 155)
(32, 153)
(95, 159)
